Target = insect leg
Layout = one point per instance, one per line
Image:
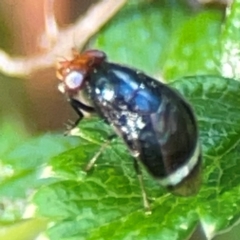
(79, 107)
(96, 156)
(140, 179)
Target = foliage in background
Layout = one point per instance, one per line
(161, 39)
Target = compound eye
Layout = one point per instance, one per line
(74, 79)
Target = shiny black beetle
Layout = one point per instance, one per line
(155, 122)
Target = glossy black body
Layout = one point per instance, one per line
(156, 123)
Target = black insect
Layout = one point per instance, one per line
(155, 122)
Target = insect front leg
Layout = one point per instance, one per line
(79, 107)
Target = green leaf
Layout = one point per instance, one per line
(22, 167)
(215, 100)
(106, 203)
(38, 151)
(21, 170)
(139, 35)
(12, 135)
(230, 54)
(16, 185)
(23, 230)
(195, 47)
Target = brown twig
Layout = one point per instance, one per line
(81, 31)
(50, 36)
